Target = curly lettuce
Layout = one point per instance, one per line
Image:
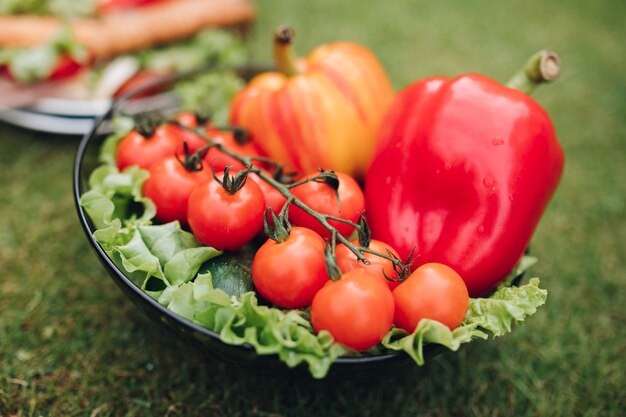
(166, 262)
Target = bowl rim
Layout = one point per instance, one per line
(122, 279)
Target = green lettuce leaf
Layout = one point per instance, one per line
(213, 47)
(163, 252)
(165, 260)
(209, 94)
(122, 125)
(494, 315)
(506, 306)
(287, 334)
(116, 196)
(429, 332)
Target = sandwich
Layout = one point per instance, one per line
(95, 49)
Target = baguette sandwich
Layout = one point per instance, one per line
(102, 50)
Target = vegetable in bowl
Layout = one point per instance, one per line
(314, 310)
(167, 263)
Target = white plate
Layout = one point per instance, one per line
(70, 107)
(48, 123)
(76, 117)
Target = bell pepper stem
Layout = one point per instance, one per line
(542, 67)
(284, 56)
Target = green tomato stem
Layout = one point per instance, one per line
(286, 192)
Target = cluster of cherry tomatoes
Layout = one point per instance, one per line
(225, 207)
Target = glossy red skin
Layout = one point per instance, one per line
(194, 142)
(219, 160)
(273, 198)
(357, 309)
(289, 274)
(134, 149)
(347, 261)
(433, 291)
(321, 198)
(169, 187)
(463, 171)
(222, 220)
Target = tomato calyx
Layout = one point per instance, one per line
(146, 124)
(279, 174)
(363, 231)
(231, 183)
(402, 270)
(330, 258)
(202, 118)
(280, 227)
(241, 135)
(192, 161)
(324, 177)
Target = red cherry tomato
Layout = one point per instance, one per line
(347, 261)
(273, 198)
(219, 160)
(433, 291)
(169, 186)
(357, 309)
(223, 220)
(321, 198)
(134, 149)
(194, 141)
(288, 274)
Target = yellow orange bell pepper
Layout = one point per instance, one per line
(322, 111)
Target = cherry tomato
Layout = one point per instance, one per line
(357, 309)
(194, 141)
(223, 220)
(288, 274)
(169, 186)
(273, 198)
(347, 261)
(321, 198)
(219, 160)
(134, 149)
(433, 291)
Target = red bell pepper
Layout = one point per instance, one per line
(463, 170)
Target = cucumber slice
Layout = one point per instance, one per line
(232, 271)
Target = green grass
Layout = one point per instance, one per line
(71, 344)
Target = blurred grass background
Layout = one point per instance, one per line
(72, 345)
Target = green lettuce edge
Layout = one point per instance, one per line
(164, 261)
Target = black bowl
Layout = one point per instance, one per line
(198, 336)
